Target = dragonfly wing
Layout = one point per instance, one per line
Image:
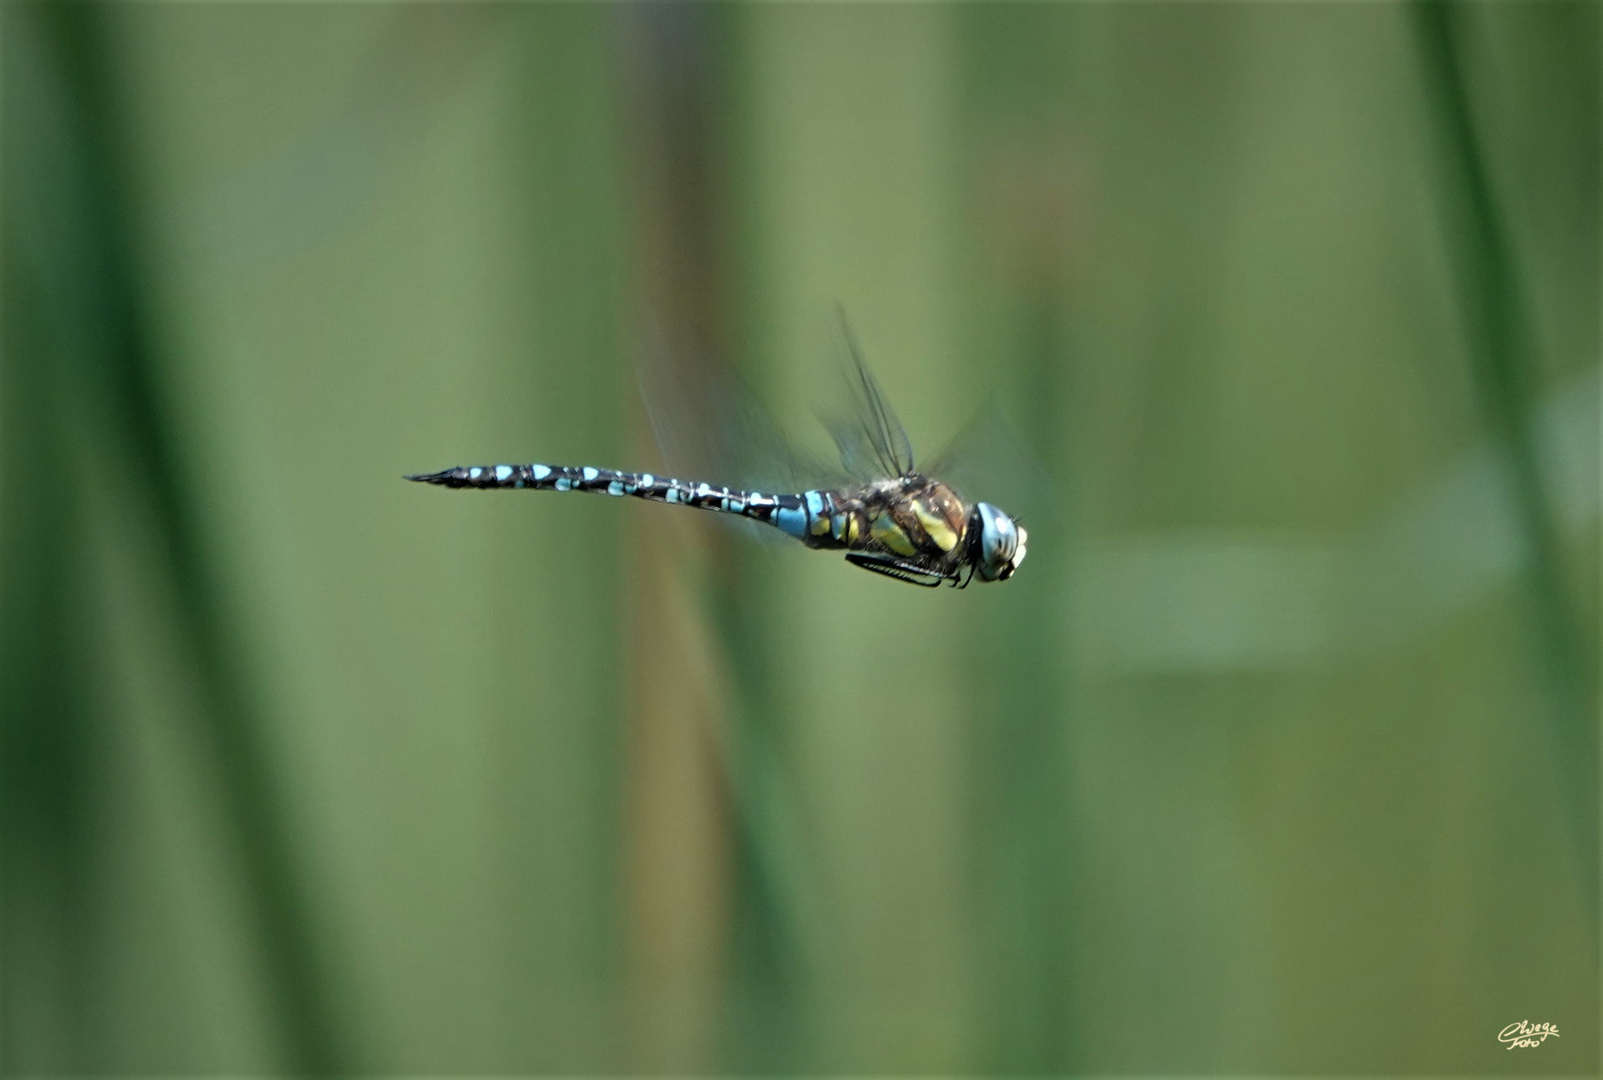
(990, 460)
(710, 425)
(871, 440)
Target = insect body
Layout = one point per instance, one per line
(899, 522)
(910, 527)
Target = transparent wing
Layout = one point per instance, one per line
(871, 440)
(990, 461)
(710, 425)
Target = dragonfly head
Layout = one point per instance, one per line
(998, 543)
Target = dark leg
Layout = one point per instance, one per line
(911, 573)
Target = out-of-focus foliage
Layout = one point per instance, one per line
(1278, 755)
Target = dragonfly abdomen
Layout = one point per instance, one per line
(538, 478)
(799, 515)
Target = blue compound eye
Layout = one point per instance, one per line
(999, 553)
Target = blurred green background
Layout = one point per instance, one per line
(1278, 756)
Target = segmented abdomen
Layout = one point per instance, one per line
(790, 513)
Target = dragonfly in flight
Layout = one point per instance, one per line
(897, 521)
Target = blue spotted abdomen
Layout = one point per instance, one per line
(799, 515)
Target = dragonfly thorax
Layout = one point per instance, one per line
(917, 528)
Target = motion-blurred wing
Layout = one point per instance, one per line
(990, 461)
(710, 425)
(871, 440)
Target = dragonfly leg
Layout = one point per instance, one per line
(911, 573)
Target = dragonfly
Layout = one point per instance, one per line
(896, 520)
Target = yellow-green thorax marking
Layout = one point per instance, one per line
(913, 517)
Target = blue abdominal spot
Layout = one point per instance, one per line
(793, 522)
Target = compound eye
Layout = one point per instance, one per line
(999, 541)
(1006, 538)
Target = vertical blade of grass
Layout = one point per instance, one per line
(78, 246)
(1498, 333)
(1024, 837)
(1024, 813)
(47, 778)
(677, 63)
